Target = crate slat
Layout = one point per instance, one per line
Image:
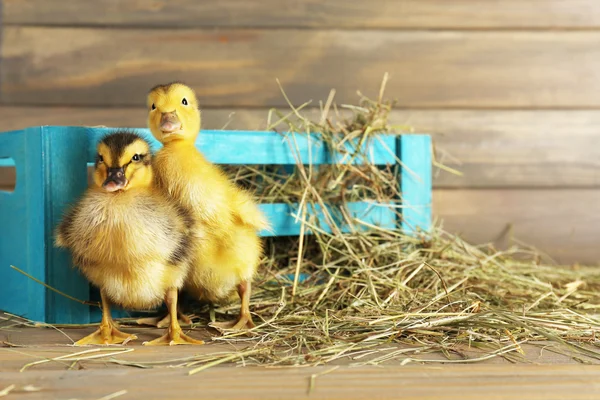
(414, 152)
(65, 179)
(22, 241)
(266, 147)
(286, 220)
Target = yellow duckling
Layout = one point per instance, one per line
(225, 262)
(128, 239)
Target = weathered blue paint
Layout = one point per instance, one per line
(414, 152)
(7, 162)
(51, 174)
(22, 215)
(65, 177)
(286, 219)
(47, 180)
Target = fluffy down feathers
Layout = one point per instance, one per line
(132, 243)
(231, 251)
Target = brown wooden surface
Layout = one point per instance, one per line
(563, 223)
(414, 382)
(377, 14)
(513, 148)
(19, 117)
(493, 149)
(549, 376)
(452, 383)
(237, 68)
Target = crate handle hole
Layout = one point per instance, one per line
(8, 175)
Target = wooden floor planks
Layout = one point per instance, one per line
(413, 382)
(549, 376)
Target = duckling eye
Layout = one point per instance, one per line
(153, 106)
(100, 159)
(136, 157)
(184, 102)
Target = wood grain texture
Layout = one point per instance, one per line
(493, 149)
(519, 149)
(19, 117)
(378, 14)
(495, 378)
(534, 382)
(563, 223)
(238, 68)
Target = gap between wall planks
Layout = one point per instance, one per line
(237, 68)
(331, 14)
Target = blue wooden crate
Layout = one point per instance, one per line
(51, 169)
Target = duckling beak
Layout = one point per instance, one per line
(115, 180)
(170, 123)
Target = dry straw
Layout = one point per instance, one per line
(374, 295)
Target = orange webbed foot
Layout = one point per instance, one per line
(106, 334)
(163, 322)
(242, 323)
(173, 337)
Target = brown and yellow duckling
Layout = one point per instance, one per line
(128, 239)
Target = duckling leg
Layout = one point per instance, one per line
(163, 322)
(174, 333)
(244, 321)
(107, 333)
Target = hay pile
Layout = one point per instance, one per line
(376, 295)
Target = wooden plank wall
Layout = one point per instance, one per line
(510, 89)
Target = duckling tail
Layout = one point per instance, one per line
(248, 213)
